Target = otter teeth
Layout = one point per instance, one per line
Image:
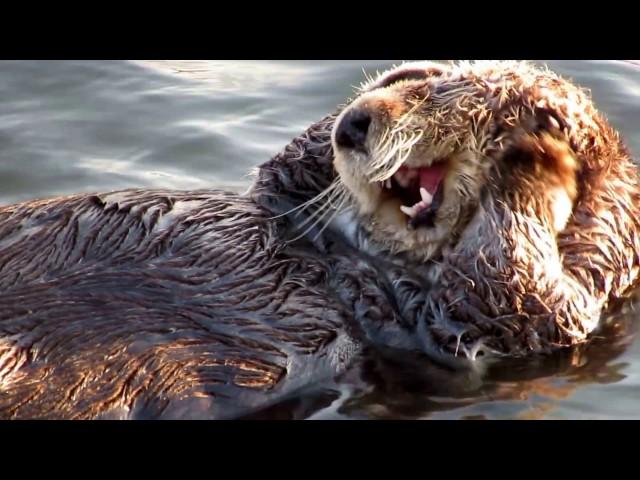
(409, 211)
(427, 199)
(386, 184)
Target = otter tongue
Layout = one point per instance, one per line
(430, 177)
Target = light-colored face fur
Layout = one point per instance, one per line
(450, 124)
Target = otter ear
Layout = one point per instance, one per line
(410, 71)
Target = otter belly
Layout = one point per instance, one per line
(158, 304)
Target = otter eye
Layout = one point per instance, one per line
(550, 120)
(414, 74)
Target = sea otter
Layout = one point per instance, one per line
(455, 210)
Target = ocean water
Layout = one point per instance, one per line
(75, 126)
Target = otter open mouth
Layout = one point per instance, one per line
(420, 190)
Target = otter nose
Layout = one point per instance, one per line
(352, 130)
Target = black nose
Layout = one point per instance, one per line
(352, 130)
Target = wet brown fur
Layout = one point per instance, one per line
(165, 304)
(546, 232)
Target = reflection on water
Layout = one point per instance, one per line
(401, 385)
(74, 126)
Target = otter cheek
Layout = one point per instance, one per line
(389, 213)
(366, 194)
(368, 198)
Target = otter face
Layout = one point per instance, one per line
(415, 148)
(407, 153)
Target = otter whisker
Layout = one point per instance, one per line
(394, 147)
(384, 157)
(317, 221)
(401, 151)
(386, 139)
(337, 210)
(335, 184)
(327, 204)
(386, 151)
(368, 78)
(401, 123)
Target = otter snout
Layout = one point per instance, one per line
(352, 130)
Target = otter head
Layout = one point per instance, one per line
(416, 147)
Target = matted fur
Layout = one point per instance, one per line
(205, 304)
